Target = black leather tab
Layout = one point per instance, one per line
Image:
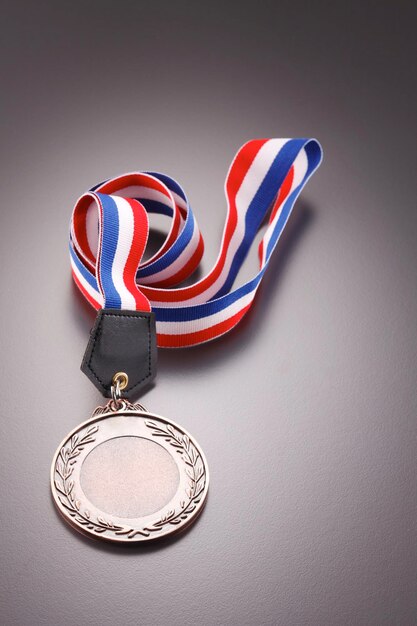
(121, 341)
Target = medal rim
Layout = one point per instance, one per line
(104, 414)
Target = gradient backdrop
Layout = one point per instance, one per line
(307, 411)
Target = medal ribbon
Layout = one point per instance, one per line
(109, 232)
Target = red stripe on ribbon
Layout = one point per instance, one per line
(139, 240)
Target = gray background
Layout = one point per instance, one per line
(307, 411)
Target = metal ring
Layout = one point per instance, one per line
(115, 392)
(122, 378)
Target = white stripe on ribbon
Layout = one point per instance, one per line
(91, 225)
(257, 172)
(94, 293)
(180, 201)
(146, 193)
(300, 170)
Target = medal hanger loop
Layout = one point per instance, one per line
(119, 382)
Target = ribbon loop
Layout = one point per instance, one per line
(266, 175)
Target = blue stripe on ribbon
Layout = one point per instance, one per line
(174, 251)
(154, 206)
(85, 273)
(109, 238)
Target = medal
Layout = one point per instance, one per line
(126, 474)
(123, 419)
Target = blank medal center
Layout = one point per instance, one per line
(129, 477)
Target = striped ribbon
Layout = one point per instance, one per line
(109, 232)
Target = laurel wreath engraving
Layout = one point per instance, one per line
(64, 468)
(64, 484)
(195, 471)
